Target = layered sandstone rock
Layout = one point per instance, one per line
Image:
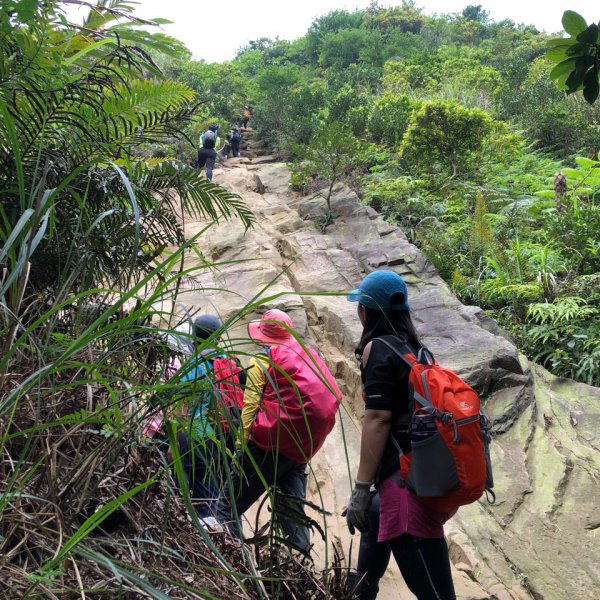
(540, 539)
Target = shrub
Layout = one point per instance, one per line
(443, 136)
(565, 336)
(389, 118)
(400, 201)
(577, 230)
(329, 156)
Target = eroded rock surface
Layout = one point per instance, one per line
(540, 539)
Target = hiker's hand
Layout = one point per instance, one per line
(238, 460)
(357, 511)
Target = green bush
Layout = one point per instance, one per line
(400, 201)
(565, 336)
(577, 230)
(389, 118)
(330, 157)
(445, 137)
(358, 119)
(439, 247)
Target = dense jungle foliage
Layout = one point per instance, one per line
(91, 265)
(453, 127)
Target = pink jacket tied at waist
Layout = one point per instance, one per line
(299, 403)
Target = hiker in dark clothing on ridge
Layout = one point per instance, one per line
(232, 143)
(207, 154)
(234, 140)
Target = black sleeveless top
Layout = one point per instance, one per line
(385, 387)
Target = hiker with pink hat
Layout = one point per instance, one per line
(290, 403)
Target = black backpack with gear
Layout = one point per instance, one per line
(209, 140)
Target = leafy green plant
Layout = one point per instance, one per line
(443, 136)
(469, 74)
(481, 240)
(439, 248)
(400, 200)
(566, 336)
(577, 227)
(81, 221)
(329, 156)
(73, 108)
(390, 114)
(577, 57)
(524, 272)
(401, 78)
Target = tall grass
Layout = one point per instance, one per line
(92, 247)
(80, 486)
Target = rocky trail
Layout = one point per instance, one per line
(541, 538)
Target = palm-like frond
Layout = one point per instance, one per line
(75, 102)
(81, 221)
(201, 197)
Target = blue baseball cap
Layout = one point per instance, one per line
(377, 291)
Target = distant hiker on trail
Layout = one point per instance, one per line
(235, 139)
(247, 116)
(290, 404)
(232, 143)
(411, 531)
(212, 412)
(227, 146)
(207, 153)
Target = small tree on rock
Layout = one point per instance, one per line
(329, 156)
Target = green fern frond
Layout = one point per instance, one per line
(76, 102)
(494, 291)
(143, 97)
(563, 310)
(481, 240)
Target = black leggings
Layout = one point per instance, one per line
(425, 566)
(207, 156)
(423, 563)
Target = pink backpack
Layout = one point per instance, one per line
(229, 382)
(299, 403)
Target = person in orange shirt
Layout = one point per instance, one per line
(247, 116)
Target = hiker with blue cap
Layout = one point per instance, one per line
(390, 518)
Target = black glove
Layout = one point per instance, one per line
(237, 460)
(357, 511)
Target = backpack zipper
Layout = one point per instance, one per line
(462, 421)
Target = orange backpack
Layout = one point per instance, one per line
(449, 464)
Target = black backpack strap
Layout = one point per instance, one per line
(423, 354)
(242, 376)
(396, 351)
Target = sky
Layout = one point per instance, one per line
(214, 30)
